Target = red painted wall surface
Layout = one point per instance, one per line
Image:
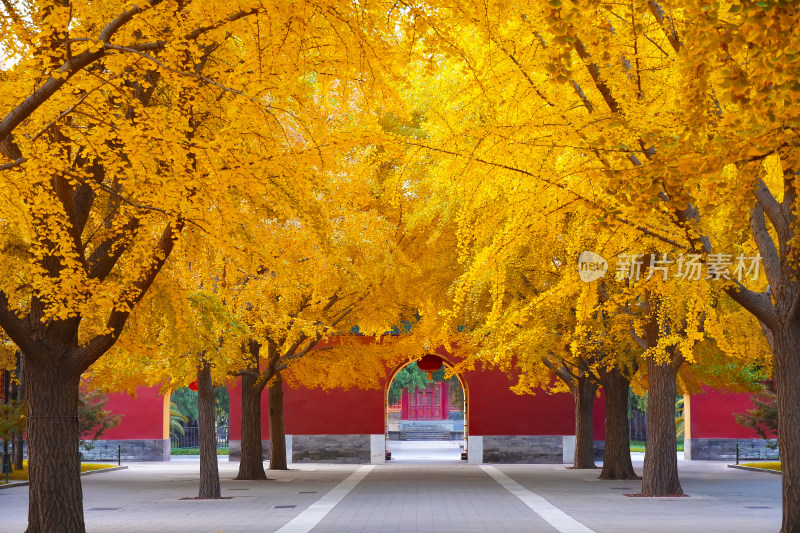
(142, 416)
(494, 410)
(599, 417)
(711, 415)
(317, 412)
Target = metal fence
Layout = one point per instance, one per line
(637, 425)
(757, 450)
(191, 438)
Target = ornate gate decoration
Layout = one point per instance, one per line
(430, 403)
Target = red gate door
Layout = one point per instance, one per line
(430, 403)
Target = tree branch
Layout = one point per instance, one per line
(774, 212)
(766, 246)
(70, 67)
(524, 172)
(757, 303)
(561, 371)
(15, 163)
(666, 24)
(108, 252)
(102, 343)
(594, 72)
(16, 329)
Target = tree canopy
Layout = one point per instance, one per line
(183, 181)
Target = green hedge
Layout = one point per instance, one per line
(195, 451)
(639, 445)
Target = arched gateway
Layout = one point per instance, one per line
(435, 406)
(350, 425)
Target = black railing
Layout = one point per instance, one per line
(637, 425)
(105, 455)
(756, 451)
(191, 438)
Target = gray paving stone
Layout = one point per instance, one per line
(406, 497)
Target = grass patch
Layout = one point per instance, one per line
(640, 445)
(772, 465)
(195, 451)
(22, 475)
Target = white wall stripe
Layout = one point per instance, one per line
(314, 513)
(553, 515)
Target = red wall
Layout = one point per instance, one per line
(711, 415)
(494, 410)
(143, 416)
(317, 412)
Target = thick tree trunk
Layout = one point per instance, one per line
(209, 471)
(55, 494)
(251, 465)
(583, 391)
(660, 477)
(17, 440)
(786, 353)
(617, 458)
(277, 430)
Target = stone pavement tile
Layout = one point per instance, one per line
(427, 498)
(146, 498)
(719, 500)
(407, 497)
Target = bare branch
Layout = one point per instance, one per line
(775, 213)
(640, 341)
(15, 163)
(766, 246)
(667, 24)
(16, 329)
(594, 71)
(64, 114)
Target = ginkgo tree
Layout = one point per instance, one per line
(721, 165)
(121, 126)
(288, 312)
(591, 101)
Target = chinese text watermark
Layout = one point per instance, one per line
(689, 267)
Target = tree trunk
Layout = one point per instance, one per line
(786, 344)
(55, 494)
(17, 440)
(617, 458)
(251, 465)
(209, 471)
(660, 476)
(583, 391)
(277, 430)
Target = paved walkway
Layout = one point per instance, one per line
(425, 496)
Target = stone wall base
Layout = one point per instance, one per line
(366, 449)
(599, 450)
(353, 449)
(525, 449)
(725, 449)
(520, 449)
(131, 449)
(235, 450)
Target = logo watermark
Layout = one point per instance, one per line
(690, 267)
(591, 266)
